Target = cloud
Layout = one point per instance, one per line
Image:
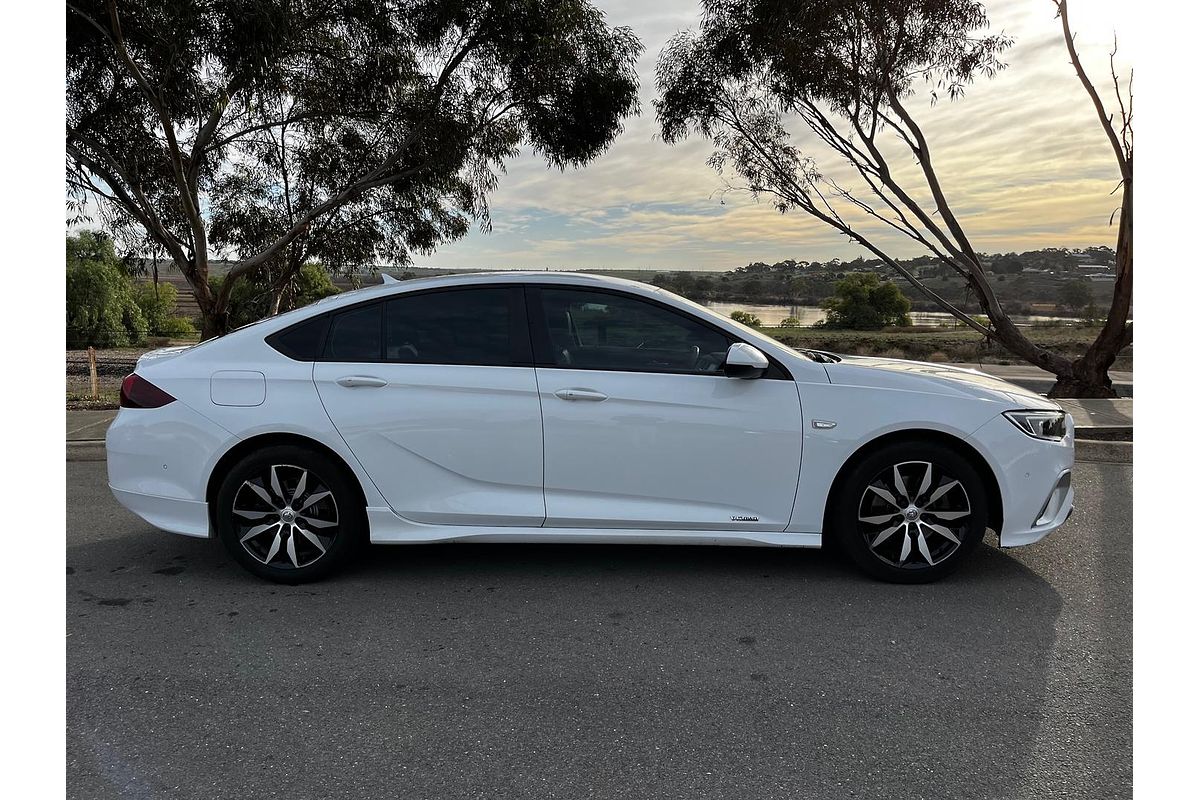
(1022, 158)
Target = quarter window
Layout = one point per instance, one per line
(598, 330)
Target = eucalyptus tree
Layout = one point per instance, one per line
(280, 131)
(846, 74)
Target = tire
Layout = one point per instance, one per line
(895, 535)
(289, 514)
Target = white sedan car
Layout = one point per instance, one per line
(541, 407)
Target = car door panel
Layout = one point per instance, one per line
(452, 445)
(435, 394)
(669, 451)
(643, 430)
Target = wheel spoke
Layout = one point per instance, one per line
(275, 483)
(901, 489)
(926, 481)
(261, 492)
(274, 546)
(312, 538)
(318, 523)
(878, 520)
(939, 492)
(943, 530)
(257, 529)
(253, 514)
(299, 487)
(885, 494)
(905, 548)
(291, 548)
(948, 515)
(884, 534)
(923, 547)
(313, 498)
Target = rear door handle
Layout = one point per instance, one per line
(581, 394)
(352, 381)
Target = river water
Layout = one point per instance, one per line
(811, 315)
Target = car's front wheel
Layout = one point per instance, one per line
(910, 512)
(288, 514)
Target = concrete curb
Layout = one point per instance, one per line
(1104, 452)
(86, 450)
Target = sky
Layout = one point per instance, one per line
(1022, 158)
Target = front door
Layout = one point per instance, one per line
(643, 430)
(435, 394)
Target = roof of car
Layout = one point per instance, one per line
(470, 278)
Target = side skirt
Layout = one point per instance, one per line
(387, 528)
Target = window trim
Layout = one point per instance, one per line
(520, 345)
(543, 350)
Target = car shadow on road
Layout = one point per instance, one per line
(541, 669)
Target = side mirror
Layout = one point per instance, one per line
(745, 361)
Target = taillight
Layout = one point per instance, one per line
(137, 392)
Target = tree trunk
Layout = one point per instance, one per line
(213, 325)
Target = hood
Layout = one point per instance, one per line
(918, 376)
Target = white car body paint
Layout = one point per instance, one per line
(473, 453)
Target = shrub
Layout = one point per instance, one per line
(101, 310)
(938, 357)
(863, 302)
(746, 318)
(790, 322)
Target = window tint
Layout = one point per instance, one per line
(302, 342)
(466, 326)
(597, 330)
(355, 335)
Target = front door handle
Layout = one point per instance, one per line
(352, 381)
(581, 394)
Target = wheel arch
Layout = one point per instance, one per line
(247, 446)
(962, 447)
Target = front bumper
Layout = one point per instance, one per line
(1034, 478)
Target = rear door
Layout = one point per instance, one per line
(642, 428)
(435, 394)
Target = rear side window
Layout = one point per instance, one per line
(356, 335)
(463, 326)
(303, 342)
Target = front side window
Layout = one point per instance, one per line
(597, 330)
(464, 326)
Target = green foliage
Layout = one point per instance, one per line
(1074, 295)
(863, 302)
(312, 284)
(252, 299)
(345, 131)
(101, 310)
(790, 322)
(157, 304)
(746, 318)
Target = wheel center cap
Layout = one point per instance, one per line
(911, 514)
(287, 515)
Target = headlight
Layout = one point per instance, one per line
(1050, 425)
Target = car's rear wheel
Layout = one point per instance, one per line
(910, 512)
(288, 514)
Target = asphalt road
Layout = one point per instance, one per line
(559, 671)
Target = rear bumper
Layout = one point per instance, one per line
(159, 460)
(187, 517)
